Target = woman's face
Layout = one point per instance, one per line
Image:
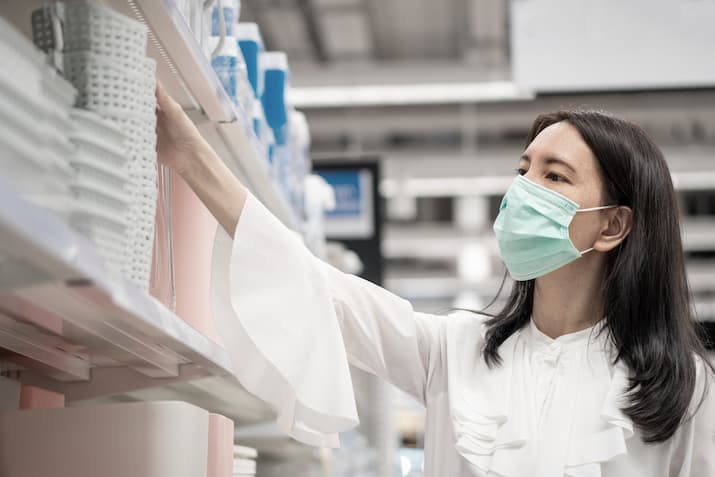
(559, 159)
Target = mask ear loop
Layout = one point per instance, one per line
(603, 207)
(591, 209)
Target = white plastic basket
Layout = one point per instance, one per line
(112, 203)
(21, 60)
(19, 117)
(110, 180)
(59, 174)
(92, 125)
(141, 128)
(59, 95)
(143, 206)
(107, 232)
(92, 149)
(93, 167)
(62, 205)
(110, 242)
(108, 90)
(18, 161)
(144, 167)
(57, 89)
(87, 26)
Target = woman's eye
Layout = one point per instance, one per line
(521, 171)
(554, 177)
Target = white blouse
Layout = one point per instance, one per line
(293, 323)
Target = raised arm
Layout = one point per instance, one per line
(290, 322)
(181, 147)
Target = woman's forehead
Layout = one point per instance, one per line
(561, 141)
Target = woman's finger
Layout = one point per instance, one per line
(164, 102)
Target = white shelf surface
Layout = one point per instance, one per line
(186, 72)
(79, 329)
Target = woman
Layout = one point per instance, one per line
(593, 368)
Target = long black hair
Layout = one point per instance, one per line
(649, 318)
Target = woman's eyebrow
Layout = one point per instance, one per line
(551, 160)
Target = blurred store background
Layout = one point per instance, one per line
(414, 111)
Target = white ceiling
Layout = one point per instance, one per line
(367, 31)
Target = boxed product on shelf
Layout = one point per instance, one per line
(148, 439)
(9, 394)
(32, 397)
(220, 446)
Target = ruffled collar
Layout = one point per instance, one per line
(570, 341)
(494, 421)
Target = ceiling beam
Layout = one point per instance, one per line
(310, 15)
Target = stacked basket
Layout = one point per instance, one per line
(101, 185)
(102, 53)
(34, 105)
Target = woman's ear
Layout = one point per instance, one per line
(620, 221)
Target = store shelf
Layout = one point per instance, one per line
(184, 70)
(187, 75)
(271, 442)
(698, 233)
(74, 327)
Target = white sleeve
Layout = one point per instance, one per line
(696, 443)
(291, 324)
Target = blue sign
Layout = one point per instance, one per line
(353, 214)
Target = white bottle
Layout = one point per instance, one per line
(225, 63)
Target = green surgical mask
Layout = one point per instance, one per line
(532, 229)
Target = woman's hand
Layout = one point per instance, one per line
(178, 141)
(181, 148)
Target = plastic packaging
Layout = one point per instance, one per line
(244, 91)
(225, 64)
(193, 232)
(250, 42)
(231, 12)
(162, 285)
(274, 69)
(195, 12)
(300, 160)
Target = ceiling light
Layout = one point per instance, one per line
(406, 94)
